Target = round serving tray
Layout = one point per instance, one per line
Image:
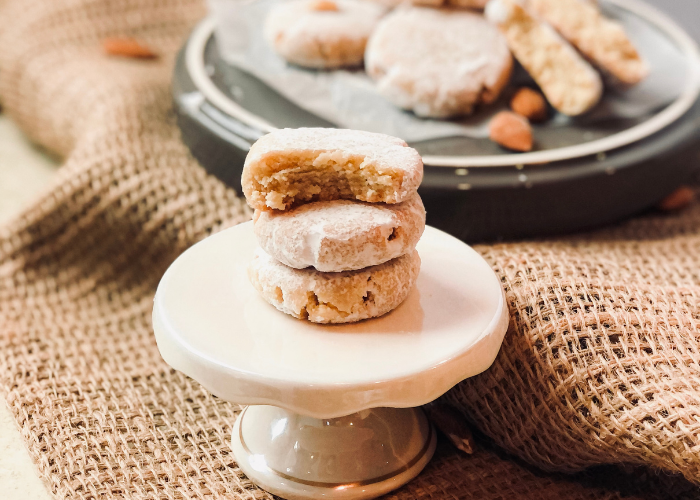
(222, 110)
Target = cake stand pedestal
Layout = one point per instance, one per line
(333, 410)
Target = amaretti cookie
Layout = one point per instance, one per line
(602, 40)
(568, 82)
(341, 235)
(344, 297)
(289, 167)
(438, 62)
(322, 33)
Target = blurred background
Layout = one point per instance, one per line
(686, 12)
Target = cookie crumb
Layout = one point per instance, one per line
(511, 131)
(531, 104)
(678, 200)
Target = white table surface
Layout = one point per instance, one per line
(25, 172)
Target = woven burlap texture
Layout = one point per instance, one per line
(599, 366)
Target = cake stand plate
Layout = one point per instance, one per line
(334, 413)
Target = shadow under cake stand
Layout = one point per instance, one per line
(333, 410)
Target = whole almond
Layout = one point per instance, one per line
(679, 199)
(530, 103)
(324, 5)
(127, 47)
(511, 131)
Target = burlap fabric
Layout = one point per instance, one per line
(600, 365)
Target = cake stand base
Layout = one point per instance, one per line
(360, 456)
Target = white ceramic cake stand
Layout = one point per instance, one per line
(334, 406)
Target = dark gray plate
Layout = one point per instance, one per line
(348, 99)
(483, 203)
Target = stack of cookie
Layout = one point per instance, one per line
(337, 218)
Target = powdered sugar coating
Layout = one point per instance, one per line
(341, 235)
(313, 38)
(344, 297)
(438, 62)
(499, 12)
(383, 168)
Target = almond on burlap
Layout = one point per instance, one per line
(127, 47)
(678, 200)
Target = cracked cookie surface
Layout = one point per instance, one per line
(341, 235)
(322, 33)
(343, 297)
(438, 62)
